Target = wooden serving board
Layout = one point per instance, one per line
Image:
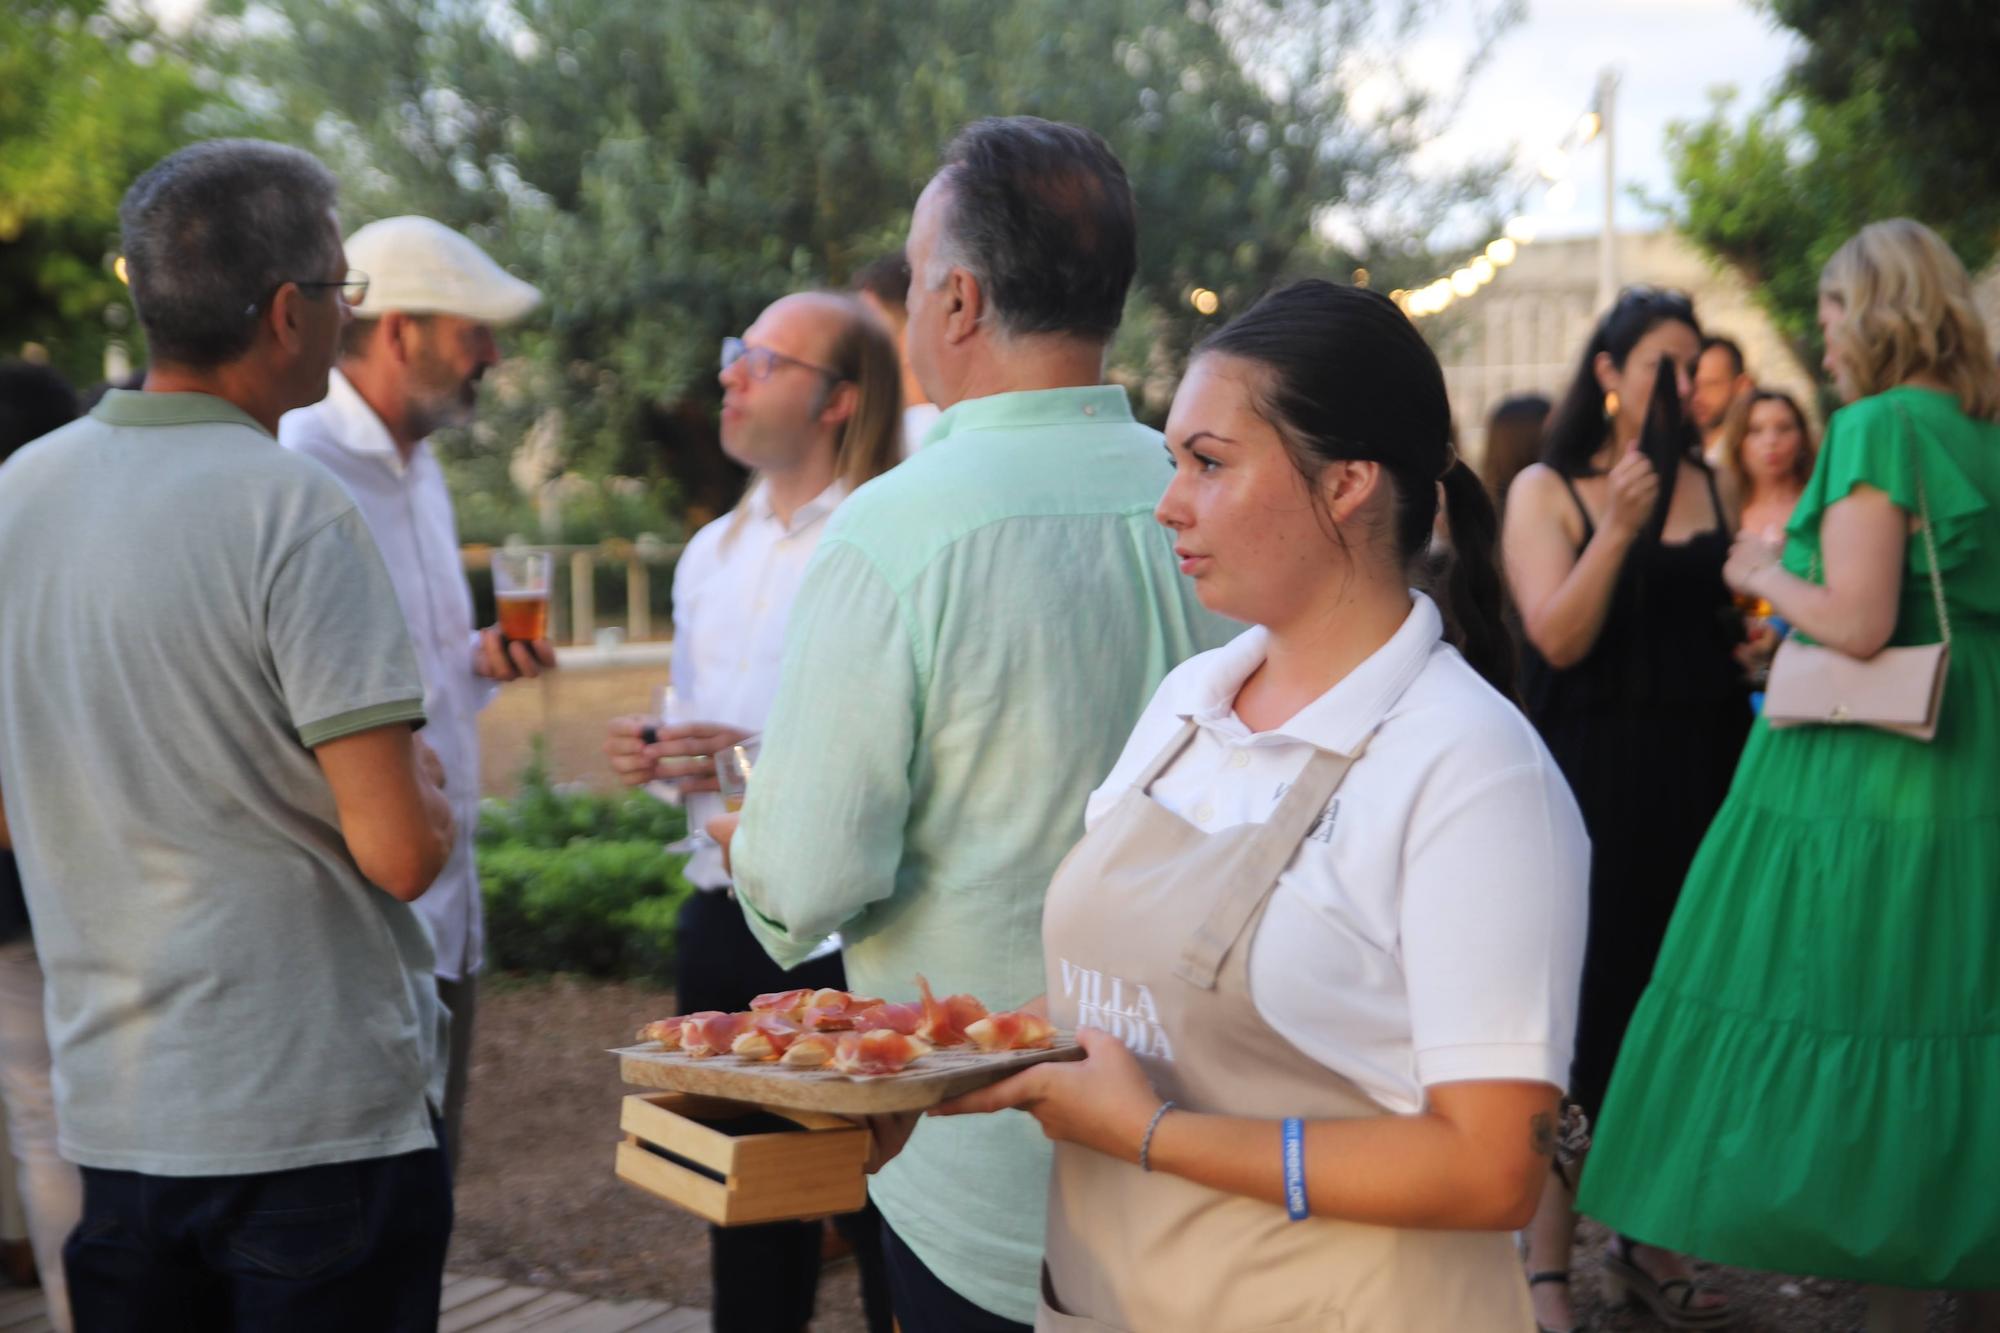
(934, 1078)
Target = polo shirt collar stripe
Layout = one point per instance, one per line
(135, 407)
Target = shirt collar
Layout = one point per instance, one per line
(757, 506)
(1095, 404)
(1340, 720)
(135, 407)
(356, 427)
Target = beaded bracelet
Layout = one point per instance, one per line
(1146, 1144)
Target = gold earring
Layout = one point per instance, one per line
(1611, 404)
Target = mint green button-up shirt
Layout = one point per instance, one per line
(978, 633)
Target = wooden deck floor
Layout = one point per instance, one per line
(471, 1305)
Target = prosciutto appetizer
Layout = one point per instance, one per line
(902, 1018)
(786, 1004)
(714, 1034)
(667, 1031)
(811, 1050)
(766, 1038)
(1014, 1031)
(882, 1051)
(834, 1010)
(944, 1021)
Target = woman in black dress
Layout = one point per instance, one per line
(1629, 673)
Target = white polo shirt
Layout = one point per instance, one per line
(733, 593)
(1430, 928)
(408, 510)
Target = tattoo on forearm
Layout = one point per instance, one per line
(1542, 1134)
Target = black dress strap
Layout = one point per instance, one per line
(1589, 528)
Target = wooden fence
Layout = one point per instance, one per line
(573, 600)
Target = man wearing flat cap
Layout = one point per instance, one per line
(410, 364)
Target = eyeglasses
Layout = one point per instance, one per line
(353, 290)
(761, 361)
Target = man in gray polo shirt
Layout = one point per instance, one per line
(222, 813)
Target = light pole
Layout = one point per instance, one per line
(1607, 237)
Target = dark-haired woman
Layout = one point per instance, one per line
(1630, 673)
(1321, 939)
(1513, 443)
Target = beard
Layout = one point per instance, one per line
(438, 398)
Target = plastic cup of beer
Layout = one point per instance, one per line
(521, 581)
(733, 766)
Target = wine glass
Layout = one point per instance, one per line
(666, 708)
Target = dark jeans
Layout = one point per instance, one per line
(764, 1278)
(926, 1305)
(319, 1249)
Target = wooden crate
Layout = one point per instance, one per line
(679, 1147)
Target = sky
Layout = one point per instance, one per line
(1668, 54)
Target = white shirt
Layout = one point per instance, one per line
(1430, 928)
(408, 509)
(733, 592)
(918, 418)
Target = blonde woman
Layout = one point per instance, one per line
(1822, 1033)
(1767, 454)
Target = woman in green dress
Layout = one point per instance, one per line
(1812, 1081)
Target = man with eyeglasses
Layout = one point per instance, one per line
(810, 404)
(411, 361)
(222, 810)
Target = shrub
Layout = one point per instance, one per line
(574, 881)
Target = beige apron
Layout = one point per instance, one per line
(1147, 930)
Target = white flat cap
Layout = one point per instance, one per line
(422, 267)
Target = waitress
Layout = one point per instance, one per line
(1322, 937)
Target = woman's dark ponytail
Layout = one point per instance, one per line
(1474, 595)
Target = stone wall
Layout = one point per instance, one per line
(1524, 332)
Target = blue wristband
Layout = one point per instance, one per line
(1295, 1170)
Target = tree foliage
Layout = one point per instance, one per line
(1889, 112)
(90, 96)
(663, 168)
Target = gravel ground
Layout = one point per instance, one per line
(538, 1204)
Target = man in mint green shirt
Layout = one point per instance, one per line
(979, 631)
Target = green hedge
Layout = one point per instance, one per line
(579, 882)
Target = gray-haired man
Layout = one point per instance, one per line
(979, 631)
(207, 698)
